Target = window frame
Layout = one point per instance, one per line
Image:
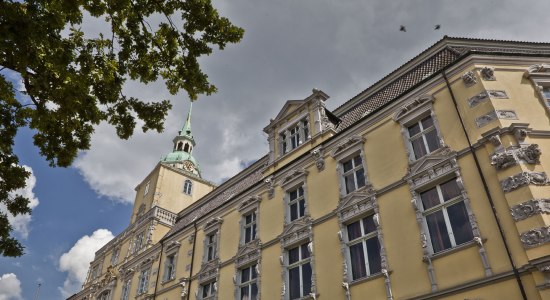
(114, 256)
(146, 188)
(252, 227)
(187, 187)
(423, 135)
(442, 206)
(143, 281)
(126, 288)
(300, 263)
(353, 171)
(212, 290)
(362, 239)
(299, 201)
(239, 284)
(350, 148)
(540, 78)
(296, 131)
(169, 272)
(293, 181)
(140, 236)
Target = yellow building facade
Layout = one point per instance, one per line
(430, 184)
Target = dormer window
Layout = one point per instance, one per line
(294, 136)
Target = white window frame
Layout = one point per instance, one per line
(540, 77)
(143, 281)
(442, 206)
(252, 226)
(297, 131)
(293, 181)
(211, 287)
(362, 240)
(299, 264)
(240, 284)
(187, 187)
(170, 268)
(210, 246)
(126, 287)
(146, 188)
(422, 135)
(353, 171)
(114, 256)
(139, 241)
(412, 113)
(300, 197)
(349, 149)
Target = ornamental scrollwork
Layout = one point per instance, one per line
(469, 78)
(522, 179)
(530, 154)
(535, 237)
(488, 73)
(530, 208)
(503, 160)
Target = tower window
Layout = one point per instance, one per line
(188, 187)
(179, 147)
(186, 148)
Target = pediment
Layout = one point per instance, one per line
(248, 252)
(297, 225)
(249, 202)
(293, 175)
(357, 196)
(347, 144)
(212, 223)
(413, 106)
(432, 159)
(289, 107)
(209, 270)
(249, 247)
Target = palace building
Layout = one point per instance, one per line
(430, 184)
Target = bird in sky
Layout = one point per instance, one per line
(437, 27)
(402, 28)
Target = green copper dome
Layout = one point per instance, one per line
(181, 155)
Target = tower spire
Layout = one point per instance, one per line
(186, 130)
(181, 155)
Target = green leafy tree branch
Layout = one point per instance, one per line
(73, 82)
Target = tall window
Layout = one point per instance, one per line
(423, 137)
(138, 242)
(143, 282)
(354, 175)
(249, 227)
(296, 203)
(146, 189)
(282, 143)
(364, 248)
(126, 290)
(95, 272)
(211, 246)
(299, 272)
(170, 267)
(446, 216)
(187, 187)
(294, 137)
(114, 256)
(104, 296)
(546, 93)
(208, 290)
(248, 286)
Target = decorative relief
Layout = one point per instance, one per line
(248, 253)
(535, 237)
(209, 270)
(318, 157)
(530, 208)
(495, 114)
(356, 204)
(530, 154)
(485, 95)
(520, 134)
(249, 202)
(296, 231)
(293, 175)
(542, 68)
(213, 223)
(413, 105)
(270, 187)
(432, 166)
(488, 73)
(522, 179)
(347, 144)
(172, 245)
(503, 160)
(469, 78)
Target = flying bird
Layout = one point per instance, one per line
(402, 28)
(437, 27)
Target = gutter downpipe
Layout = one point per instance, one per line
(486, 188)
(192, 258)
(158, 270)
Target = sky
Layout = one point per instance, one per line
(289, 48)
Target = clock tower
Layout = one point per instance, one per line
(181, 156)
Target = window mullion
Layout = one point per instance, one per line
(448, 225)
(366, 256)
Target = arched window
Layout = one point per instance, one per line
(179, 146)
(187, 187)
(186, 148)
(104, 296)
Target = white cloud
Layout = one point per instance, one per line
(77, 260)
(21, 222)
(10, 287)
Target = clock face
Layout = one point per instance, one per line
(188, 166)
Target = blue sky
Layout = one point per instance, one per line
(289, 47)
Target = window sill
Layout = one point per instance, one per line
(167, 281)
(455, 249)
(368, 278)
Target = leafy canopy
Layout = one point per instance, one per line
(73, 82)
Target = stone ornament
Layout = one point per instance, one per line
(541, 68)
(512, 156)
(522, 179)
(270, 187)
(535, 237)
(488, 73)
(469, 78)
(413, 105)
(495, 114)
(485, 95)
(530, 208)
(520, 135)
(318, 157)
